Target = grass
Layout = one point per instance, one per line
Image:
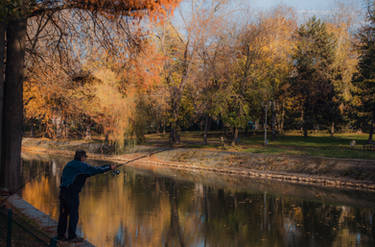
(317, 144)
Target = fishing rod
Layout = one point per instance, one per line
(116, 172)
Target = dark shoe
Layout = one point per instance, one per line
(61, 238)
(76, 239)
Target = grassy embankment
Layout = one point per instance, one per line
(319, 144)
(290, 157)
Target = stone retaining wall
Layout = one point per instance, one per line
(40, 222)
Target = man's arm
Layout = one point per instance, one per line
(93, 170)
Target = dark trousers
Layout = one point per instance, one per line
(69, 203)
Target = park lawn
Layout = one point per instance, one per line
(319, 144)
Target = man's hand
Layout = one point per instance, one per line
(112, 167)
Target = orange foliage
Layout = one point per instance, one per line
(145, 68)
(111, 9)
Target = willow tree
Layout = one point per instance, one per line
(14, 17)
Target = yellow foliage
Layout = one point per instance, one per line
(108, 106)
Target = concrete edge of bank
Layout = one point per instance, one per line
(40, 223)
(277, 176)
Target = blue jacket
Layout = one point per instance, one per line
(76, 168)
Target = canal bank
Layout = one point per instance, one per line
(148, 205)
(164, 195)
(354, 174)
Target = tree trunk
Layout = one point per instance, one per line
(305, 133)
(2, 56)
(173, 137)
(206, 118)
(13, 105)
(158, 128)
(332, 130)
(256, 127)
(235, 136)
(273, 120)
(282, 119)
(88, 133)
(371, 128)
(304, 122)
(265, 124)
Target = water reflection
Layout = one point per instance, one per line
(145, 208)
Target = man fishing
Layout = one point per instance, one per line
(72, 180)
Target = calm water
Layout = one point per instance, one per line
(162, 208)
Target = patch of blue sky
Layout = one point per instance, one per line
(247, 10)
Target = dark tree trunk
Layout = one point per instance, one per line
(282, 119)
(304, 121)
(371, 128)
(106, 138)
(2, 56)
(206, 118)
(158, 128)
(173, 137)
(305, 134)
(13, 105)
(235, 136)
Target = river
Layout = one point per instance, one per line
(163, 207)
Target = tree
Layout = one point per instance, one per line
(242, 93)
(213, 49)
(13, 19)
(179, 52)
(314, 57)
(344, 66)
(276, 61)
(365, 80)
(261, 69)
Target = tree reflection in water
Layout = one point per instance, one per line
(146, 208)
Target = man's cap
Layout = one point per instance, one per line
(79, 154)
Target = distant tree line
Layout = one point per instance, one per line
(318, 75)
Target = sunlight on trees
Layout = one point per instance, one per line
(125, 78)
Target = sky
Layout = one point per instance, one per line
(303, 8)
(304, 5)
(319, 8)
